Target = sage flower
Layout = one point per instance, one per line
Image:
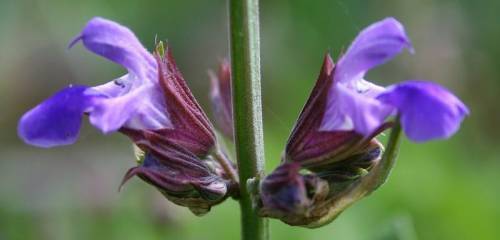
(356, 104)
(132, 101)
(345, 109)
(152, 105)
(334, 137)
(143, 99)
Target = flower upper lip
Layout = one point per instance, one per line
(350, 96)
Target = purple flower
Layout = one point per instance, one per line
(220, 95)
(351, 104)
(143, 99)
(344, 111)
(334, 136)
(427, 110)
(312, 147)
(133, 100)
(152, 105)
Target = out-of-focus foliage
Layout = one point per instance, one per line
(438, 190)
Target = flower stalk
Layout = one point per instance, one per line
(390, 155)
(247, 108)
(226, 164)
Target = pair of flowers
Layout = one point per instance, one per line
(333, 139)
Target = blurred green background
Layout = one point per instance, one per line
(438, 190)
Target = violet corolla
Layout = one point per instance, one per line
(332, 158)
(153, 106)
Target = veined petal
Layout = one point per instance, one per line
(348, 109)
(118, 44)
(57, 120)
(375, 45)
(428, 111)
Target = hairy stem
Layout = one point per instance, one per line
(247, 108)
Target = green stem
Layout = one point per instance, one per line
(382, 171)
(247, 108)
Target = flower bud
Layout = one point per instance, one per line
(290, 196)
(220, 95)
(317, 197)
(182, 178)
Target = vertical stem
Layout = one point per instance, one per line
(247, 108)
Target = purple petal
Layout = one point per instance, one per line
(118, 44)
(134, 100)
(57, 120)
(117, 87)
(428, 111)
(348, 109)
(375, 45)
(141, 108)
(110, 114)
